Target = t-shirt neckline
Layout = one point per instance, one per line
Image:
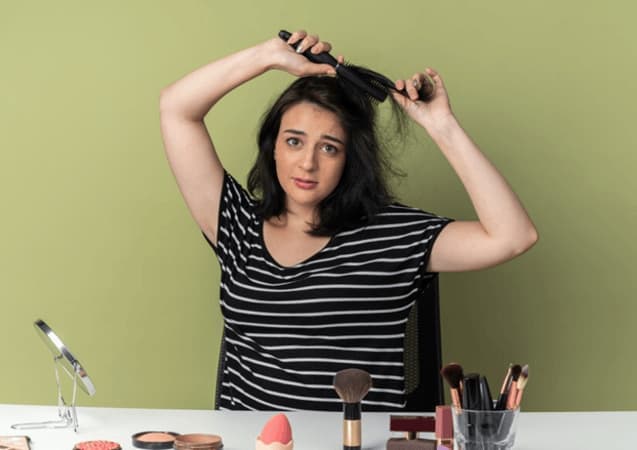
(297, 265)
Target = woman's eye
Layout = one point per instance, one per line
(293, 142)
(327, 148)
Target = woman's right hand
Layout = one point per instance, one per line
(293, 62)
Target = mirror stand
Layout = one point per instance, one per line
(67, 413)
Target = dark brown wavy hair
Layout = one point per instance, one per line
(362, 190)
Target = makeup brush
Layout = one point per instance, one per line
(504, 390)
(352, 386)
(516, 369)
(454, 374)
(522, 380)
(471, 392)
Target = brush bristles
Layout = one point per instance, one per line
(453, 374)
(524, 377)
(352, 385)
(516, 370)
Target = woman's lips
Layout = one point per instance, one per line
(304, 184)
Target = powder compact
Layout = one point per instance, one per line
(198, 442)
(97, 445)
(155, 440)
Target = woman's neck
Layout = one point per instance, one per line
(297, 218)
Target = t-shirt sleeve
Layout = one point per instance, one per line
(236, 212)
(433, 225)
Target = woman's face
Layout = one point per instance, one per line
(309, 154)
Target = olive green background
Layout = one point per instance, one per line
(95, 238)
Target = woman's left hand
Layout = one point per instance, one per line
(427, 113)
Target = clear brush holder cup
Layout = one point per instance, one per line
(485, 430)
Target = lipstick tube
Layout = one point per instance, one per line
(444, 428)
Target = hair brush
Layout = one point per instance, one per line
(373, 83)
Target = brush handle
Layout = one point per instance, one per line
(486, 402)
(502, 401)
(352, 426)
(425, 92)
(343, 71)
(513, 395)
(318, 58)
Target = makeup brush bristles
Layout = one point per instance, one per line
(453, 373)
(516, 370)
(522, 380)
(524, 376)
(352, 385)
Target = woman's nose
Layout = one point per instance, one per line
(308, 162)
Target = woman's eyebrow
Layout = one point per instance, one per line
(324, 136)
(332, 138)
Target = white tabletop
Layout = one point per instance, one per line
(311, 430)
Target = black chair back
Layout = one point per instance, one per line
(423, 352)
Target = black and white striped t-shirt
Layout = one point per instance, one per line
(288, 330)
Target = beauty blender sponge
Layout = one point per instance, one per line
(276, 434)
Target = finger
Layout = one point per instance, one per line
(312, 39)
(416, 81)
(307, 42)
(401, 99)
(400, 85)
(321, 47)
(435, 77)
(297, 36)
(319, 69)
(412, 91)
(340, 59)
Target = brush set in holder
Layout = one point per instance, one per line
(480, 421)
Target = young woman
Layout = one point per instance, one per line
(319, 267)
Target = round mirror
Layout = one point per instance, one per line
(69, 363)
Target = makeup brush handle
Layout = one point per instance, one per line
(351, 426)
(502, 401)
(513, 395)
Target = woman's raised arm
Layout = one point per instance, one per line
(184, 104)
(503, 229)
